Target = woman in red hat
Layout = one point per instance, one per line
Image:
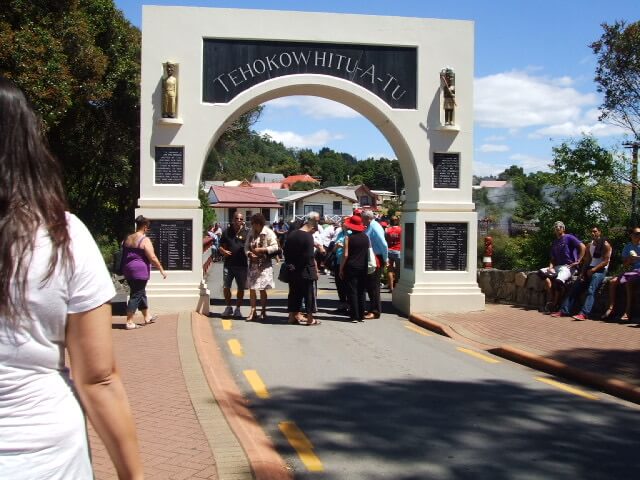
(353, 268)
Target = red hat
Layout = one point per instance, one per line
(384, 224)
(355, 223)
(357, 211)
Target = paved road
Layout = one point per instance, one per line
(385, 399)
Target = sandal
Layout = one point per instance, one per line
(251, 317)
(313, 323)
(151, 320)
(607, 314)
(263, 315)
(132, 326)
(625, 317)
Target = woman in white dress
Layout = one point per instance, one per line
(260, 246)
(54, 294)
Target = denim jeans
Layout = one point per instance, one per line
(593, 285)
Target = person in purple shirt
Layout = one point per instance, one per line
(566, 254)
(631, 261)
(139, 255)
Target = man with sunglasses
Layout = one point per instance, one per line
(235, 264)
(595, 265)
(631, 260)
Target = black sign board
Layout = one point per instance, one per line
(407, 251)
(445, 246)
(172, 241)
(446, 170)
(232, 66)
(170, 165)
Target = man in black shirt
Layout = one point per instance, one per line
(235, 263)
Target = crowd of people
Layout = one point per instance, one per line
(575, 268)
(308, 248)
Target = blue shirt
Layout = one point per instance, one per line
(627, 250)
(375, 232)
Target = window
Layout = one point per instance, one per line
(337, 208)
(364, 200)
(314, 208)
(267, 214)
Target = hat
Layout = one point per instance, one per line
(558, 224)
(354, 223)
(384, 224)
(357, 211)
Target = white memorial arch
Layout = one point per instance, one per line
(226, 61)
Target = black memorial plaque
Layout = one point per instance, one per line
(169, 165)
(445, 246)
(446, 170)
(407, 252)
(172, 240)
(232, 66)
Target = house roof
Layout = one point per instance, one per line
(347, 193)
(492, 183)
(270, 185)
(263, 177)
(230, 197)
(291, 179)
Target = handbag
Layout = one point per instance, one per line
(372, 263)
(286, 270)
(118, 260)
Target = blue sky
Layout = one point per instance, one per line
(533, 84)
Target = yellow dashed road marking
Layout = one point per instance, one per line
(256, 383)
(301, 445)
(226, 324)
(413, 328)
(567, 388)
(235, 347)
(484, 358)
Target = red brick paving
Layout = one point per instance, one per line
(606, 348)
(172, 443)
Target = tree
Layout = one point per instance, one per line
(78, 62)
(618, 75)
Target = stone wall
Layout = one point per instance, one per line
(526, 289)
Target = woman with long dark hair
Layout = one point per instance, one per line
(54, 294)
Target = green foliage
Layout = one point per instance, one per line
(79, 63)
(208, 213)
(618, 74)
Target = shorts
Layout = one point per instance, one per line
(562, 273)
(394, 255)
(240, 275)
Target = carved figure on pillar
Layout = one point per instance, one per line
(448, 85)
(487, 261)
(170, 92)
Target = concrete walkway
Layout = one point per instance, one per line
(193, 422)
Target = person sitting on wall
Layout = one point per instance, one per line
(566, 254)
(630, 258)
(593, 272)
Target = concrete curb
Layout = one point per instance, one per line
(265, 461)
(613, 386)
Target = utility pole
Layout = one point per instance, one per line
(634, 180)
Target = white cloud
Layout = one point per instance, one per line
(491, 147)
(571, 129)
(495, 138)
(296, 140)
(315, 107)
(530, 163)
(517, 99)
(484, 169)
